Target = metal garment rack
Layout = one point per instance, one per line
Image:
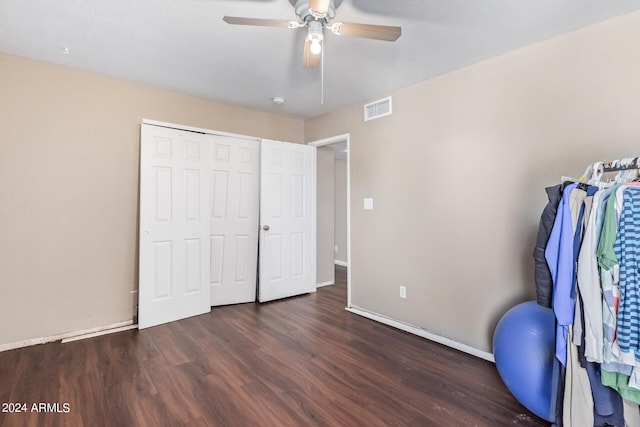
(596, 170)
(616, 167)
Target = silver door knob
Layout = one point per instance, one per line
(265, 227)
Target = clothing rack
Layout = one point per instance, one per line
(586, 257)
(596, 170)
(617, 166)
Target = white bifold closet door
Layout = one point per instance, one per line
(174, 225)
(287, 219)
(205, 200)
(234, 200)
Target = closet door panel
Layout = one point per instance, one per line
(234, 219)
(288, 220)
(174, 259)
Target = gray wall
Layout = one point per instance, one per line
(340, 234)
(458, 172)
(324, 218)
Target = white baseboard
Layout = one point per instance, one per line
(331, 282)
(340, 263)
(423, 333)
(70, 336)
(98, 333)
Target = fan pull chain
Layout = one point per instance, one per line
(322, 75)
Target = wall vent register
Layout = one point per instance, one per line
(377, 109)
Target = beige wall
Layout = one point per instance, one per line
(325, 273)
(340, 214)
(458, 172)
(69, 146)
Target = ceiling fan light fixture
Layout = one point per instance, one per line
(315, 37)
(316, 47)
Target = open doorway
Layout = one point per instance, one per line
(336, 243)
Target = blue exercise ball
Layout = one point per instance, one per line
(524, 348)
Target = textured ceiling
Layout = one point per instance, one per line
(184, 45)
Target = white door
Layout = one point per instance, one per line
(234, 201)
(174, 225)
(287, 220)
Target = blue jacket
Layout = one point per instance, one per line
(559, 256)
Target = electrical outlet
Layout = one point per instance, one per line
(336, 248)
(403, 292)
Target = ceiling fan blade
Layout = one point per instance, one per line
(378, 32)
(234, 20)
(320, 6)
(309, 60)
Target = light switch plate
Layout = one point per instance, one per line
(368, 204)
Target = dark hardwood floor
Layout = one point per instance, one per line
(303, 361)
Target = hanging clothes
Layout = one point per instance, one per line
(559, 256)
(620, 369)
(591, 280)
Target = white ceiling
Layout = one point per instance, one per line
(184, 45)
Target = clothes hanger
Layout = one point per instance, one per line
(636, 168)
(596, 172)
(585, 176)
(630, 171)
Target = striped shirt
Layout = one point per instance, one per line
(627, 249)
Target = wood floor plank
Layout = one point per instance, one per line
(301, 361)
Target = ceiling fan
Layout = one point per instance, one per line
(315, 15)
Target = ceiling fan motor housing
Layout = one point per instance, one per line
(305, 14)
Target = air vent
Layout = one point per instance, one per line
(377, 109)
